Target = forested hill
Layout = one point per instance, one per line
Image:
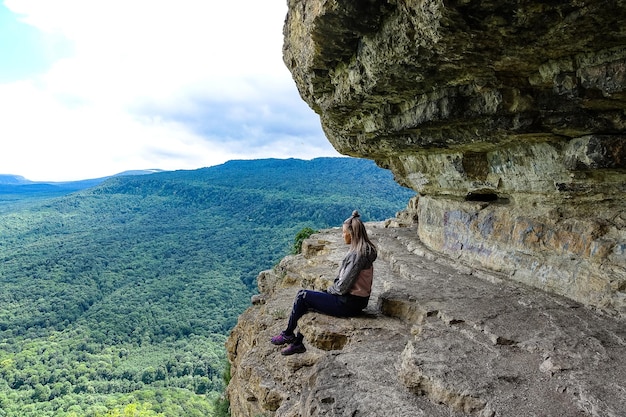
(117, 299)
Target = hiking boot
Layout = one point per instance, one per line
(283, 339)
(293, 348)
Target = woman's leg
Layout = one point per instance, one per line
(307, 300)
(321, 302)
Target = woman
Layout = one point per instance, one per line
(348, 295)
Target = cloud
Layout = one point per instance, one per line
(155, 84)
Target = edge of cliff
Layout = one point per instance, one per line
(439, 338)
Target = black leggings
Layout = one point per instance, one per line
(322, 302)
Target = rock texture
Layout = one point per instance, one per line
(506, 295)
(439, 338)
(508, 118)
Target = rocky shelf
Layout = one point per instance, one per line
(439, 338)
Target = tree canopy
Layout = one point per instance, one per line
(116, 300)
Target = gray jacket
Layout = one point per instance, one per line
(355, 274)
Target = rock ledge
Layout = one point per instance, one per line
(439, 338)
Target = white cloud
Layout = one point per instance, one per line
(155, 84)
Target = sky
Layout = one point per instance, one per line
(91, 88)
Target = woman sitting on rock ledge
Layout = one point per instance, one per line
(348, 295)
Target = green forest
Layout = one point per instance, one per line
(116, 300)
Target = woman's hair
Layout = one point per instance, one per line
(360, 241)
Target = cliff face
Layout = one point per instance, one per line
(509, 119)
(505, 292)
(439, 338)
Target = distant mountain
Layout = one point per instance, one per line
(20, 180)
(13, 179)
(138, 172)
(16, 188)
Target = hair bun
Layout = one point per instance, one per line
(355, 214)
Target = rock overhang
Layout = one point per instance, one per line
(391, 78)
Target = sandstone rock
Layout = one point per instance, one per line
(438, 338)
(507, 117)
